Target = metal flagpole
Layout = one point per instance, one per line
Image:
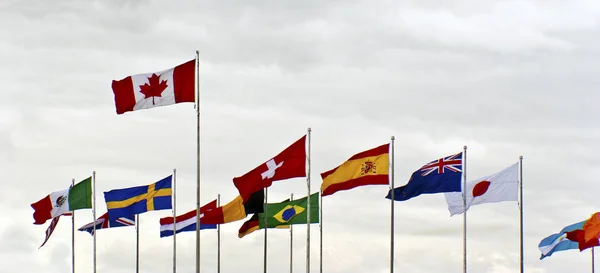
(521, 208)
(308, 206)
(464, 196)
(265, 244)
(174, 220)
(137, 243)
(218, 238)
(73, 234)
(593, 267)
(291, 240)
(392, 207)
(320, 232)
(197, 161)
(94, 214)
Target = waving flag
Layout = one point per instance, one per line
(236, 209)
(186, 222)
(136, 200)
(103, 222)
(578, 236)
(365, 168)
(283, 214)
(498, 187)
(59, 203)
(50, 229)
(290, 163)
(591, 228)
(559, 241)
(442, 175)
(150, 90)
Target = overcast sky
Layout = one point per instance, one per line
(505, 78)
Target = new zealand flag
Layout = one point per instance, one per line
(442, 175)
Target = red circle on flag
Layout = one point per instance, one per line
(480, 188)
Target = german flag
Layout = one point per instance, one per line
(366, 168)
(236, 209)
(249, 226)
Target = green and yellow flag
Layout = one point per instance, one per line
(281, 215)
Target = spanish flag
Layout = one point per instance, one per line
(366, 168)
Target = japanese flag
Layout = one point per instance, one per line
(498, 187)
(150, 90)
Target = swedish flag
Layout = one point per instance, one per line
(136, 200)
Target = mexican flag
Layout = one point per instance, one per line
(58, 203)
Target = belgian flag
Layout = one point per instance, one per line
(235, 210)
(283, 214)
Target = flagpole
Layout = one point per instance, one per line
(73, 235)
(308, 206)
(593, 267)
(197, 161)
(392, 208)
(218, 238)
(521, 209)
(320, 232)
(291, 240)
(464, 195)
(94, 214)
(265, 244)
(137, 243)
(174, 221)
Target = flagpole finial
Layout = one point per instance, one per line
(465, 147)
(520, 157)
(197, 51)
(309, 129)
(393, 138)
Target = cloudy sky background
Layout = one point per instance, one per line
(505, 78)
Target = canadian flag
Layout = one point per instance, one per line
(149, 90)
(498, 187)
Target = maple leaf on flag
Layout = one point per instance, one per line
(153, 88)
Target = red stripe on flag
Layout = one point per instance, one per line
(192, 214)
(382, 179)
(183, 82)
(214, 217)
(124, 95)
(50, 229)
(42, 210)
(383, 149)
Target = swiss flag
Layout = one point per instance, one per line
(288, 164)
(150, 90)
(498, 187)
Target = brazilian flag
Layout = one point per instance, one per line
(283, 214)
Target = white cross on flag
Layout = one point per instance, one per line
(498, 187)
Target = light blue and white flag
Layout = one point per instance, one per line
(559, 241)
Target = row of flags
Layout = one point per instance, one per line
(370, 167)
